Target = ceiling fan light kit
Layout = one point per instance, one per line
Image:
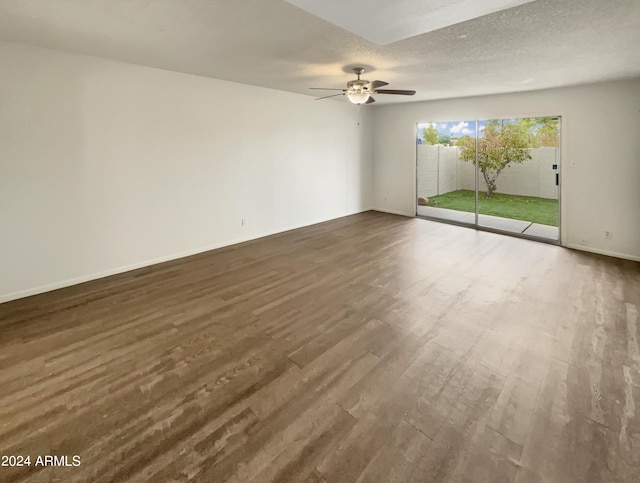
(358, 97)
(359, 91)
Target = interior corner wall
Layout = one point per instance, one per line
(600, 167)
(107, 166)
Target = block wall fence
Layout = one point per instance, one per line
(440, 170)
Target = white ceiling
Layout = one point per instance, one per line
(383, 22)
(271, 43)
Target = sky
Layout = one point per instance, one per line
(455, 129)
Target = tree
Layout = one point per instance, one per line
(542, 131)
(444, 139)
(547, 133)
(503, 143)
(430, 134)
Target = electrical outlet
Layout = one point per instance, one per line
(608, 235)
(244, 221)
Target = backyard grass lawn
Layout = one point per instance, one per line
(528, 208)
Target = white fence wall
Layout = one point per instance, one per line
(440, 170)
(427, 170)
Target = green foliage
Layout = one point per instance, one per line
(430, 135)
(527, 208)
(444, 139)
(542, 131)
(503, 143)
(466, 143)
(547, 133)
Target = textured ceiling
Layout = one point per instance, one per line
(383, 22)
(271, 43)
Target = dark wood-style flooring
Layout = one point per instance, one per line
(372, 348)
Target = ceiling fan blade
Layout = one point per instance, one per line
(394, 91)
(326, 97)
(325, 89)
(377, 83)
(371, 100)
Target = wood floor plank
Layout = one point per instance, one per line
(372, 347)
(397, 459)
(461, 429)
(565, 445)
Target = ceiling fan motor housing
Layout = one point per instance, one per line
(358, 86)
(359, 91)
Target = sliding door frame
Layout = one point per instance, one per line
(476, 224)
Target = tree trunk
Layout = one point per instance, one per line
(491, 181)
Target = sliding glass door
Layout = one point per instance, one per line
(498, 174)
(445, 181)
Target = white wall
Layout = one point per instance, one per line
(106, 166)
(600, 156)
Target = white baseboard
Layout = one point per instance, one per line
(134, 266)
(393, 212)
(608, 253)
(154, 261)
(106, 273)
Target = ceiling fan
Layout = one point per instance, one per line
(359, 91)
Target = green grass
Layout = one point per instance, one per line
(527, 208)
